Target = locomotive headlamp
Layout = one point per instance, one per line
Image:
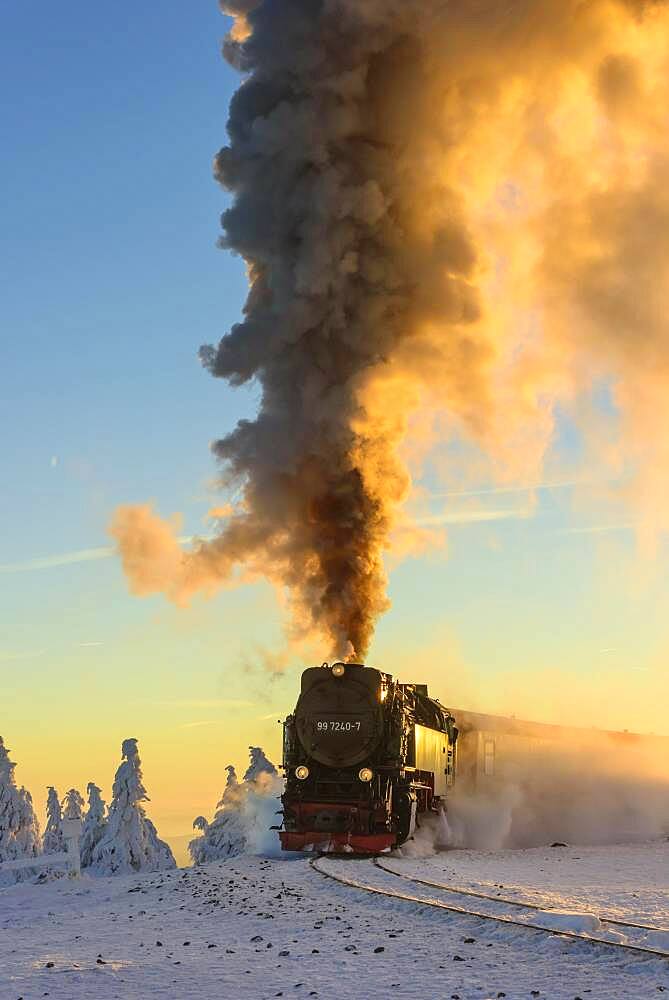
(365, 774)
(302, 772)
(338, 670)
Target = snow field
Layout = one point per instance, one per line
(260, 928)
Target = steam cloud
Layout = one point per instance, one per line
(464, 203)
(576, 786)
(582, 791)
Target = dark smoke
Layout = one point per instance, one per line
(322, 221)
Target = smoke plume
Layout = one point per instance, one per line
(463, 203)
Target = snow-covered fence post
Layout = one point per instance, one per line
(71, 834)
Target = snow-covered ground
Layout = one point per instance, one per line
(255, 927)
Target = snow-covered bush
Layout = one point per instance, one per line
(19, 829)
(73, 804)
(130, 841)
(53, 842)
(94, 826)
(243, 816)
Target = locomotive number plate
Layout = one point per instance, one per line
(337, 726)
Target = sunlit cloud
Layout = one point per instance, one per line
(203, 722)
(519, 488)
(598, 529)
(474, 516)
(205, 703)
(76, 556)
(87, 644)
(62, 559)
(7, 656)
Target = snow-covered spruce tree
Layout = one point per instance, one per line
(73, 804)
(94, 826)
(259, 764)
(243, 815)
(130, 842)
(19, 829)
(27, 836)
(53, 842)
(224, 837)
(196, 847)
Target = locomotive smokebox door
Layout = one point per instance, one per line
(339, 718)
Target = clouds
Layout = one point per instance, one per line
(74, 557)
(62, 559)
(510, 488)
(9, 656)
(455, 517)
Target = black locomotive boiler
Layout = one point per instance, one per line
(363, 757)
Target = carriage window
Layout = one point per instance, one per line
(450, 767)
(489, 758)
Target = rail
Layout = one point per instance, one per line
(509, 902)
(496, 918)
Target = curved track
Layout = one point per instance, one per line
(510, 902)
(321, 865)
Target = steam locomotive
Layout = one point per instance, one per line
(363, 757)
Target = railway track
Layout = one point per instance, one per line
(510, 902)
(494, 913)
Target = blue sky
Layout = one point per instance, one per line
(112, 280)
